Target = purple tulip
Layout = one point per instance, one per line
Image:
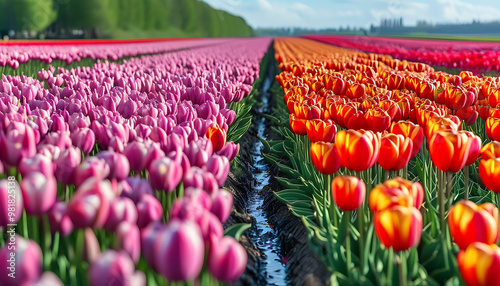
(11, 200)
(127, 108)
(219, 167)
(91, 167)
(89, 207)
(119, 167)
(179, 251)
(18, 143)
(135, 187)
(148, 237)
(115, 268)
(59, 219)
(77, 121)
(26, 264)
(149, 209)
(165, 174)
(198, 178)
(84, 139)
(227, 259)
(222, 205)
(121, 209)
(38, 163)
(137, 155)
(66, 164)
(230, 150)
(59, 139)
(58, 123)
(91, 248)
(128, 238)
(39, 193)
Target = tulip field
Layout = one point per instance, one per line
(120, 161)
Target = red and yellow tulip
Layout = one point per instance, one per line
(348, 192)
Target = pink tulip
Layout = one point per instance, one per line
(84, 139)
(137, 155)
(119, 167)
(222, 205)
(165, 174)
(26, 263)
(115, 268)
(227, 259)
(149, 209)
(59, 219)
(48, 279)
(39, 193)
(59, 139)
(230, 150)
(66, 164)
(219, 167)
(179, 251)
(199, 197)
(128, 238)
(18, 143)
(91, 167)
(38, 163)
(121, 209)
(197, 178)
(199, 151)
(135, 187)
(148, 238)
(11, 200)
(91, 248)
(89, 207)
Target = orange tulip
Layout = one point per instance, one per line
(479, 264)
(490, 150)
(469, 223)
(395, 151)
(449, 150)
(298, 126)
(335, 84)
(218, 137)
(410, 130)
(398, 227)
(358, 150)
(397, 191)
(324, 157)
(493, 128)
(489, 171)
(355, 90)
(348, 192)
(321, 130)
(438, 123)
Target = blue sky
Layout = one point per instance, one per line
(356, 13)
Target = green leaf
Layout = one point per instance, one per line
(236, 230)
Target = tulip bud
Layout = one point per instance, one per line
(137, 155)
(84, 139)
(479, 264)
(197, 178)
(398, 227)
(149, 209)
(227, 259)
(119, 167)
(39, 193)
(38, 163)
(115, 267)
(59, 219)
(66, 164)
(165, 174)
(18, 143)
(48, 279)
(91, 248)
(90, 204)
(135, 187)
(222, 205)
(128, 238)
(348, 192)
(218, 137)
(469, 223)
(179, 251)
(219, 167)
(358, 150)
(121, 209)
(324, 157)
(11, 200)
(91, 167)
(26, 264)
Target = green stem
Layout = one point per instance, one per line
(466, 182)
(403, 279)
(441, 192)
(390, 265)
(348, 244)
(361, 221)
(449, 185)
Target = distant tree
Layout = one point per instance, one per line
(28, 15)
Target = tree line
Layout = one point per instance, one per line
(93, 18)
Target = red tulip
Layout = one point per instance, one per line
(398, 227)
(348, 192)
(218, 137)
(449, 150)
(410, 130)
(358, 150)
(395, 152)
(479, 264)
(321, 130)
(324, 157)
(489, 171)
(493, 128)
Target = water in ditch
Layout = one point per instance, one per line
(265, 238)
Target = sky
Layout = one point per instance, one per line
(356, 13)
